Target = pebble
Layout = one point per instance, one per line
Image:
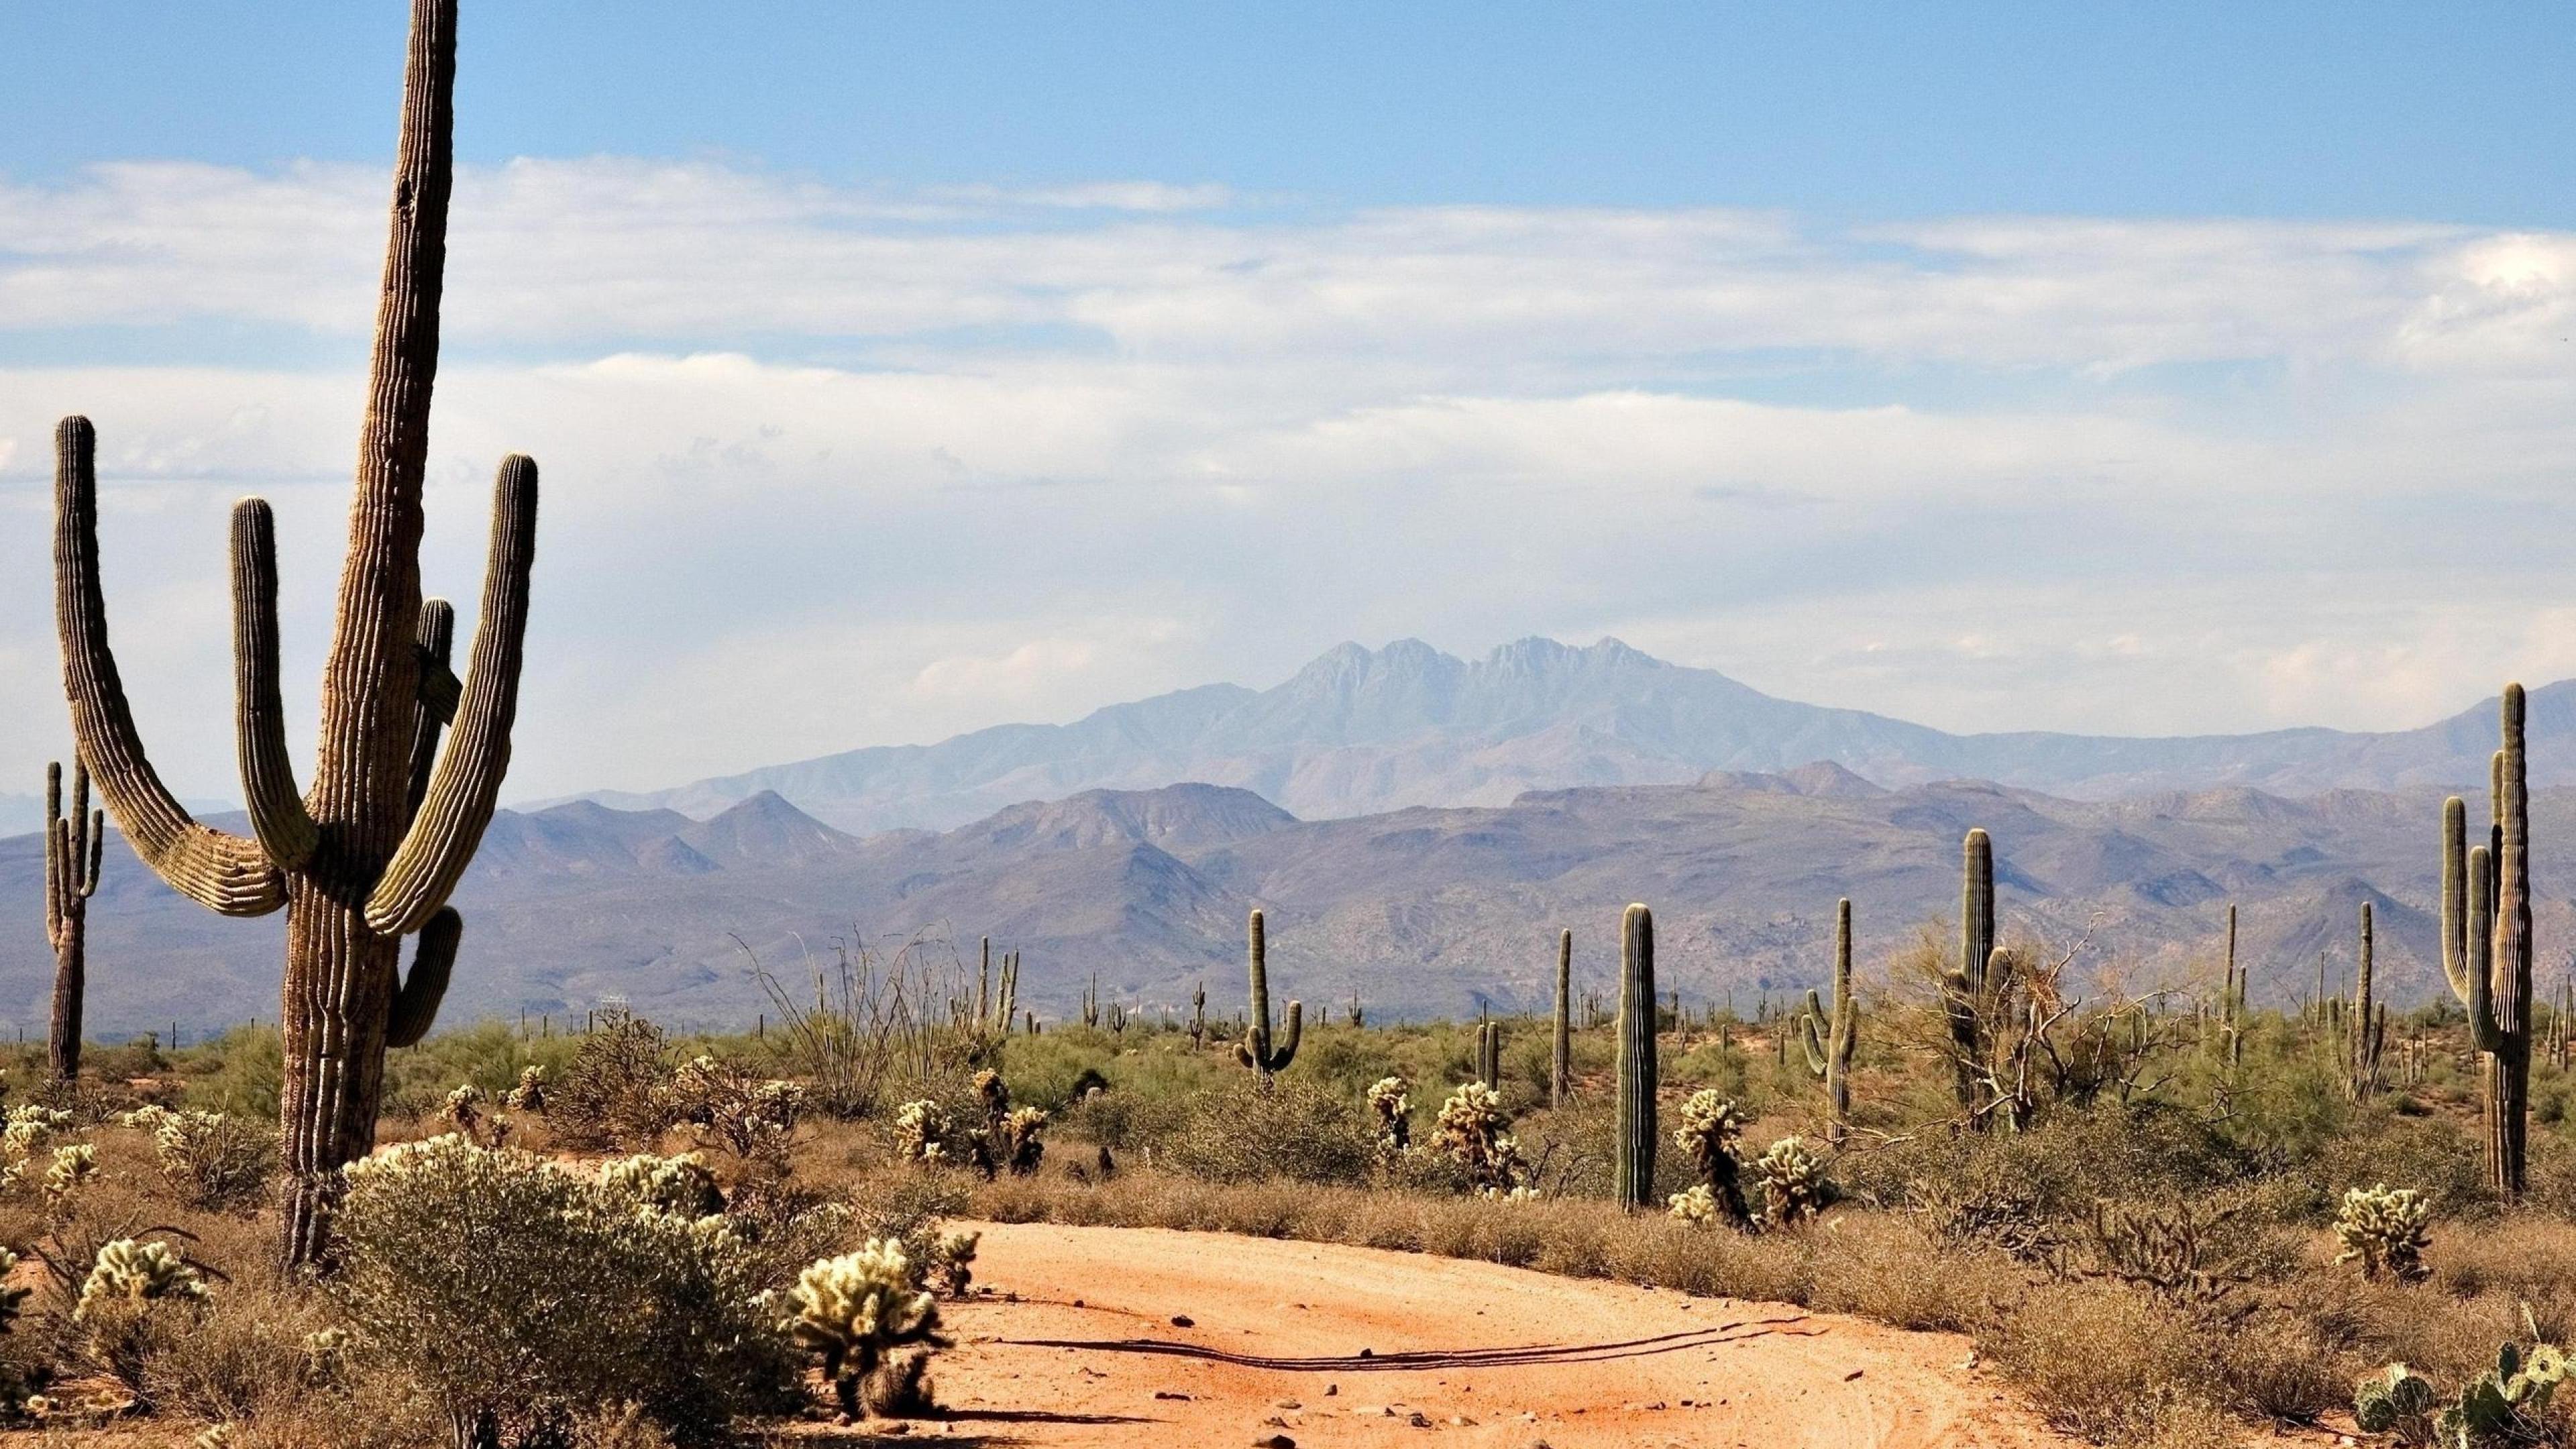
(1183, 1320)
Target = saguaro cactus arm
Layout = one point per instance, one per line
(2484, 1032)
(415, 1006)
(222, 872)
(277, 814)
(467, 784)
(439, 692)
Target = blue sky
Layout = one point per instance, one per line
(902, 369)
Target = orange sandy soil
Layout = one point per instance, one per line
(1328, 1345)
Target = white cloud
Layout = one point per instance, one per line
(828, 467)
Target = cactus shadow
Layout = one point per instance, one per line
(1421, 1360)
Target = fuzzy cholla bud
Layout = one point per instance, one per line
(921, 1131)
(1475, 1131)
(130, 1272)
(2383, 1227)
(1696, 1206)
(74, 1165)
(1794, 1188)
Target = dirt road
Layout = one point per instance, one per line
(1333, 1346)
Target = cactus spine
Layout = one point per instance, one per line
(2368, 1031)
(1633, 1147)
(1560, 1062)
(1967, 983)
(72, 852)
(1830, 1040)
(371, 852)
(1255, 1050)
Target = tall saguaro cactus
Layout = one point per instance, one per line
(1560, 1062)
(73, 848)
(1830, 1040)
(370, 853)
(1633, 1147)
(1255, 1050)
(1968, 984)
(2486, 946)
(2232, 998)
(2368, 1031)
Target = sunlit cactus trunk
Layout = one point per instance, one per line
(1255, 1050)
(1964, 986)
(1560, 1065)
(2486, 946)
(371, 852)
(1633, 1145)
(1830, 1038)
(73, 846)
(2368, 1031)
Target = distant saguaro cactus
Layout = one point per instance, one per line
(1830, 1039)
(2368, 1031)
(371, 852)
(1633, 1143)
(1489, 1055)
(1970, 984)
(1255, 1050)
(73, 845)
(2232, 998)
(1560, 1062)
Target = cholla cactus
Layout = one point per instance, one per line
(130, 1272)
(851, 1311)
(464, 1108)
(2384, 1228)
(1711, 1127)
(1476, 1132)
(74, 1165)
(922, 1132)
(29, 1126)
(1016, 1146)
(214, 1436)
(1391, 1099)
(680, 1185)
(1794, 1188)
(326, 1353)
(992, 1092)
(530, 1094)
(1695, 1205)
(733, 1108)
(952, 1261)
(13, 1299)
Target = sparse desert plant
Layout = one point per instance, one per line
(867, 1318)
(1794, 1185)
(2190, 1253)
(530, 1094)
(469, 1112)
(126, 1284)
(2384, 1229)
(749, 1115)
(617, 1089)
(213, 1159)
(952, 1262)
(1018, 1146)
(1476, 1134)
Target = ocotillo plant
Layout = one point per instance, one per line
(1830, 1040)
(1633, 1145)
(2368, 1031)
(73, 847)
(1560, 1062)
(371, 852)
(2486, 946)
(1489, 1055)
(1255, 1050)
(1967, 986)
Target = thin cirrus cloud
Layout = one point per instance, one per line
(832, 465)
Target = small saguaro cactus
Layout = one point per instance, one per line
(1560, 1063)
(72, 852)
(1489, 1055)
(1633, 1143)
(370, 853)
(1255, 1050)
(2486, 946)
(1830, 1040)
(2368, 1031)
(1091, 1003)
(1198, 1016)
(1969, 983)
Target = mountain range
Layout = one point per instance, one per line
(1362, 732)
(1422, 911)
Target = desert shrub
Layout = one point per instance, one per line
(617, 1088)
(133, 1291)
(729, 1106)
(520, 1295)
(2384, 1230)
(665, 1184)
(530, 1094)
(1288, 1130)
(2107, 1362)
(212, 1160)
(2439, 1158)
